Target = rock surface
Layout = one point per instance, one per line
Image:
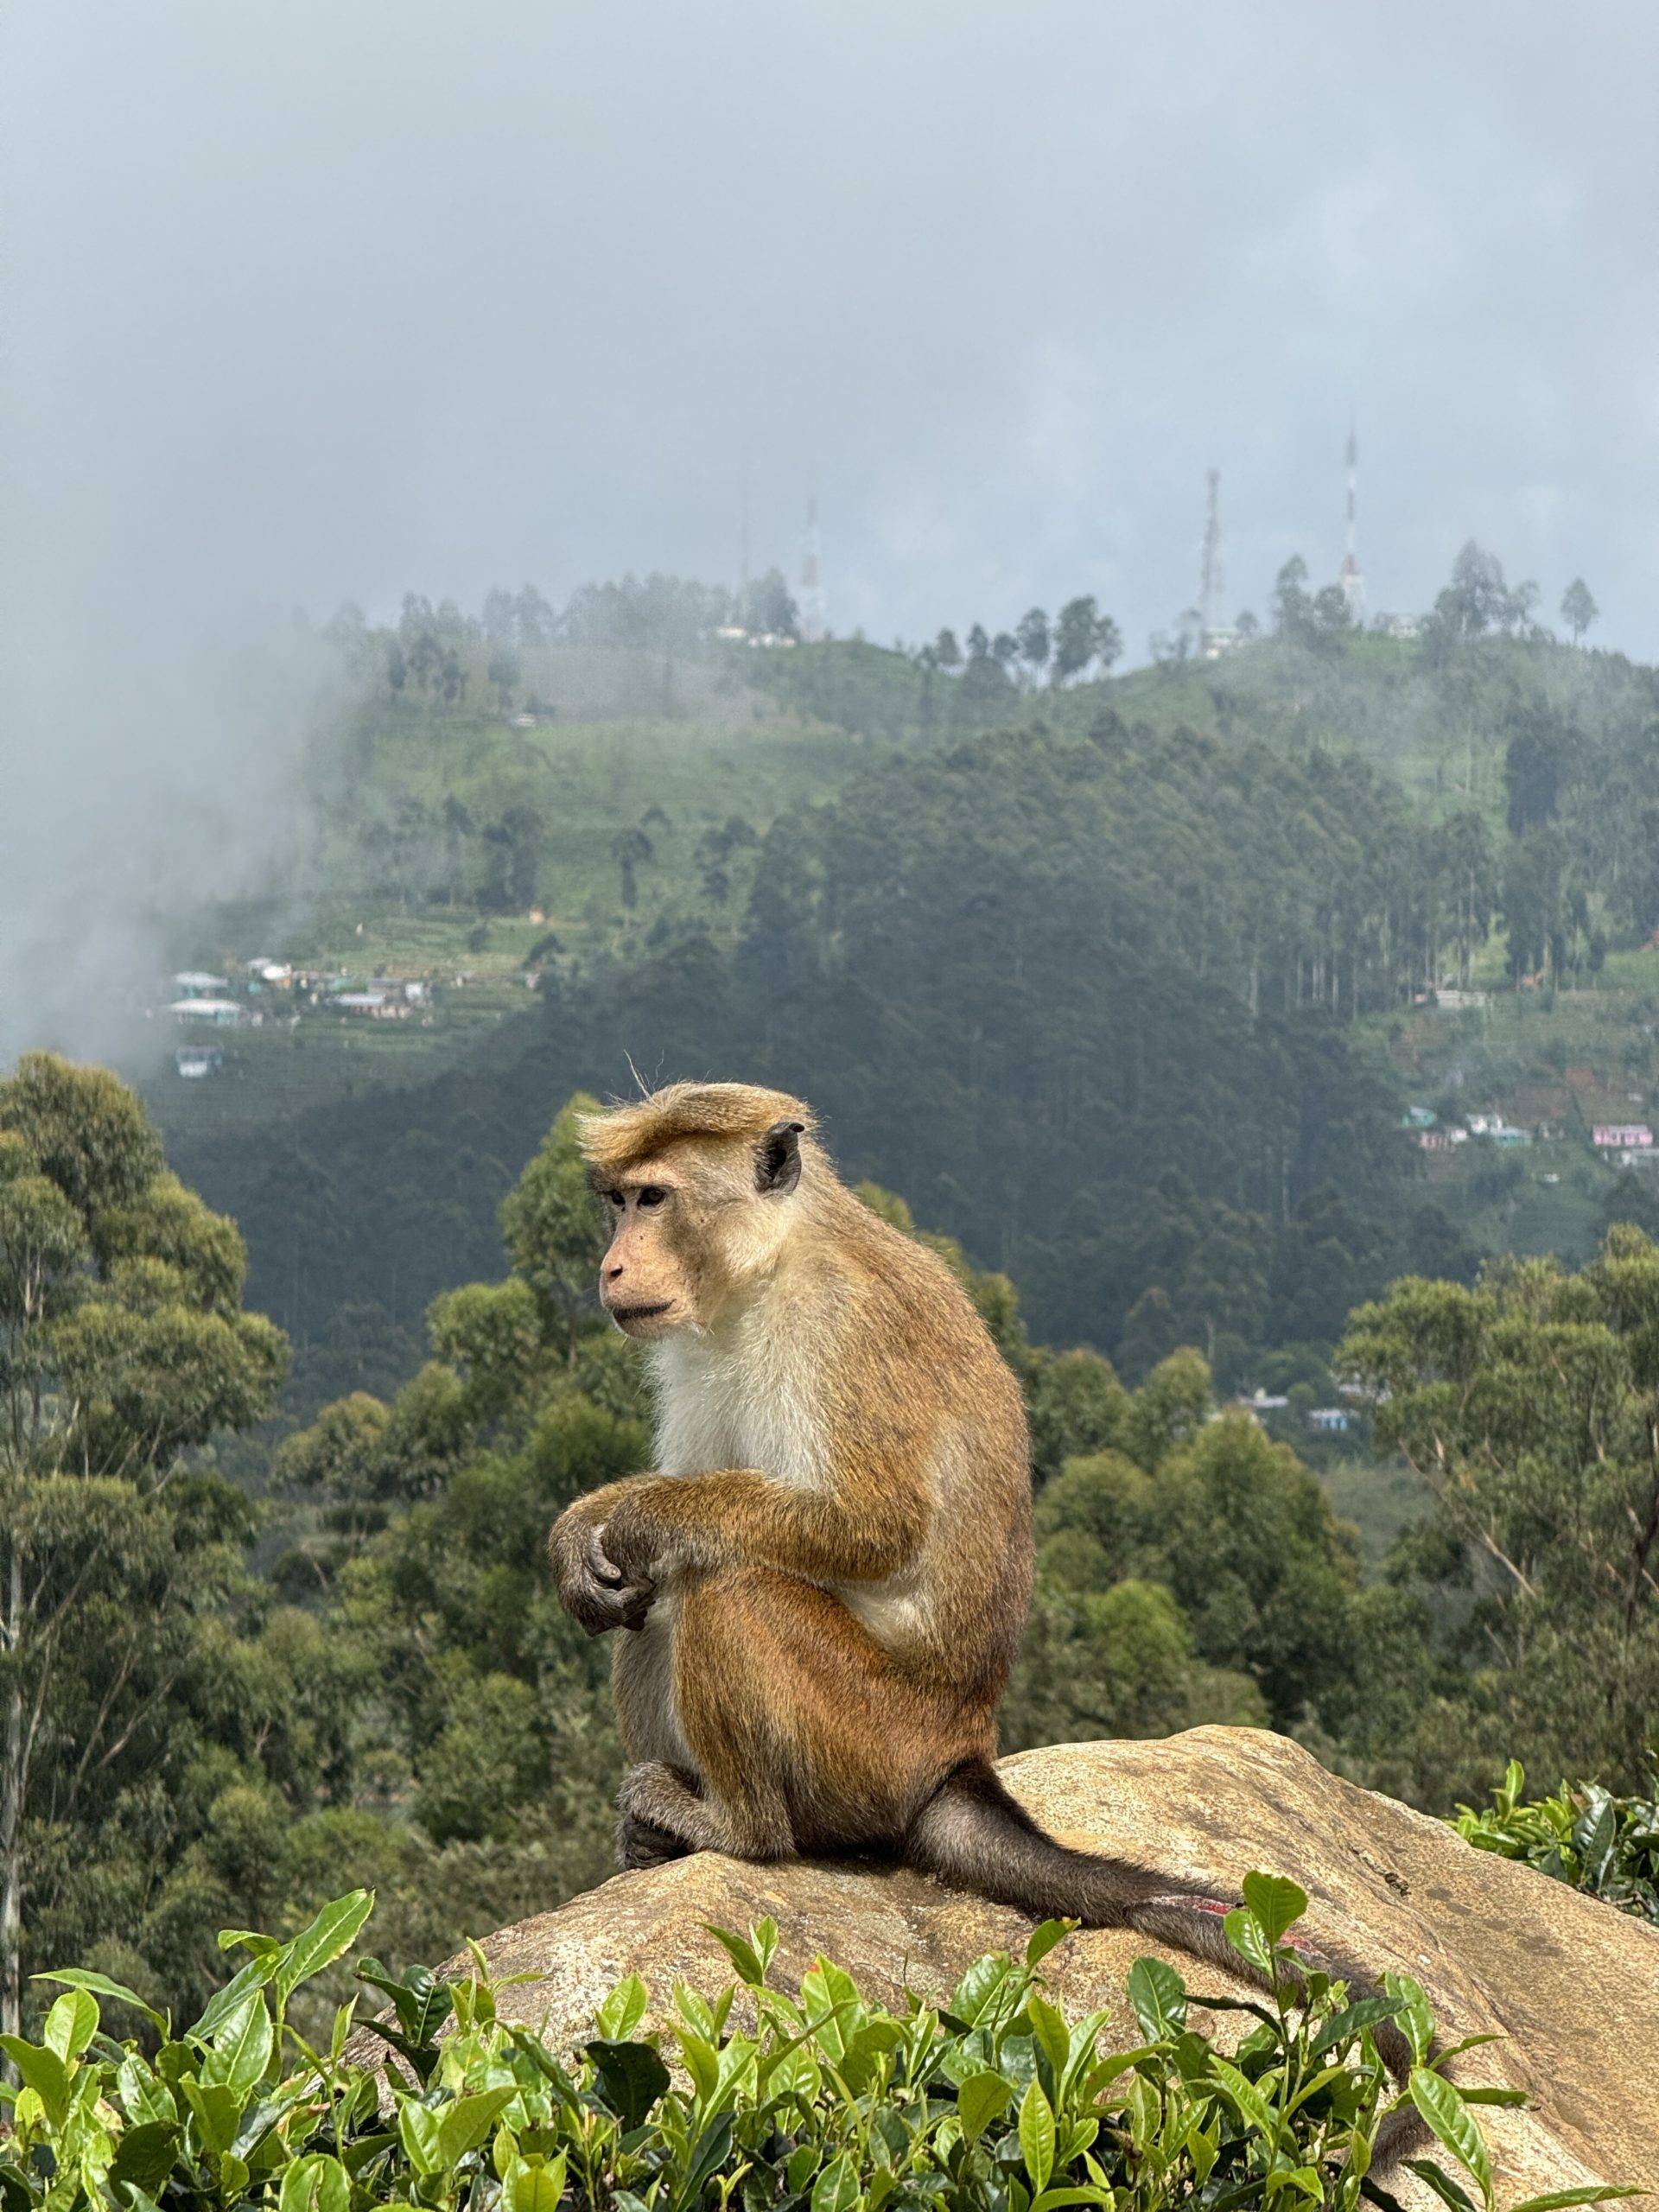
(1570, 1984)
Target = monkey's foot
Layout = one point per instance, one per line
(638, 1843)
(657, 1800)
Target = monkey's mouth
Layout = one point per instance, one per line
(623, 1314)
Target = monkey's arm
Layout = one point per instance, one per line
(845, 1530)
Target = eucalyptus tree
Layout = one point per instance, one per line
(123, 1347)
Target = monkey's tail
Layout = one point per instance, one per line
(975, 1835)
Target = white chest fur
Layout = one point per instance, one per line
(736, 1399)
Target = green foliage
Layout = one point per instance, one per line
(1193, 1573)
(1583, 1835)
(123, 1347)
(823, 2102)
(1529, 1409)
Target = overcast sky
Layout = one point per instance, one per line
(311, 299)
(339, 297)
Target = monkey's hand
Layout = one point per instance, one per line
(593, 1586)
(643, 1537)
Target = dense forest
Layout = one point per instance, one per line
(1097, 987)
(225, 1706)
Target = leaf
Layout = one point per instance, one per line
(1158, 1996)
(263, 1947)
(1244, 1934)
(632, 2075)
(317, 2181)
(422, 2001)
(243, 2042)
(101, 1986)
(706, 2161)
(741, 1953)
(978, 1988)
(223, 2002)
(1247, 2099)
(1048, 2025)
(42, 2070)
(836, 2188)
(417, 2130)
(1037, 2136)
(538, 2187)
(218, 2109)
(1444, 2186)
(623, 2010)
(71, 2023)
(1555, 2199)
(1276, 1903)
(1044, 1937)
(330, 1935)
(1456, 2126)
(144, 2156)
(701, 2062)
(1366, 2013)
(465, 2124)
(983, 2097)
(1415, 2016)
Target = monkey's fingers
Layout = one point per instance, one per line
(601, 1567)
(602, 1607)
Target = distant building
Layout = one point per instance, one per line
(223, 1014)
(1621, 1136)
(1417, 1117)
(195, 983)
(1437, 1139)
(1260, 1401)
(1454, 1001)
(1330, 1420)
(196, 1062)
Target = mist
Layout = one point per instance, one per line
(316, 303)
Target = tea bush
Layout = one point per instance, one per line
(1583, 1835)
(823, 2102)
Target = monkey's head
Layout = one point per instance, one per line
(701, 1182)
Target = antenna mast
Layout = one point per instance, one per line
(1353, 584)
(812, 604)
(1210, 582)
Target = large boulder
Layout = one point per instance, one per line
(1571, 1986)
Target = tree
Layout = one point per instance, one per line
(122, 1348)
(1034, 642)
(1076, 638)
(554, 1232)
(1529, 1407)
(1579, 609)
(629, 847)
(1292, 606)
(504, 671)
(947, 653)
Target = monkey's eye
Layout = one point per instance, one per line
(615, 1198)
(652, 1195)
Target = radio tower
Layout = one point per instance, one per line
(811, 608)
(1211, 582)
(1353, 584)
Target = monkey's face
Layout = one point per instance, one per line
(689, 1225)
(648, 1282)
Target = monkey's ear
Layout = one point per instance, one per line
(777, 1163)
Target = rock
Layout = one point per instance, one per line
(1570, 1984)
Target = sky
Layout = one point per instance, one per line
(348, 298)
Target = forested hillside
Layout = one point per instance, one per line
(228, 1707)
(1121, 979)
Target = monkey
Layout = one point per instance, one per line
(821, 1589)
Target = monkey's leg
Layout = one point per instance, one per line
(804, 1734)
